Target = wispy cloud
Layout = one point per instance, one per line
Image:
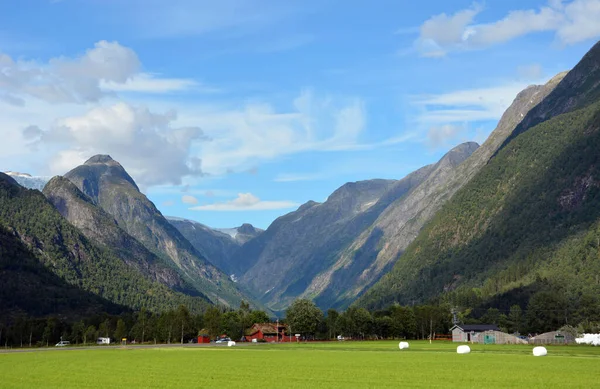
(152, 83)
(246, 202)
(187, 199)
(572, 22)
(294, 177)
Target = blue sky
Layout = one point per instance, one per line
(241, 110)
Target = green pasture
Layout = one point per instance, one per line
(311, 365)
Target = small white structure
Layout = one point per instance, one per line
(403, 345)
(103, 341)
(539, 351)
(231, 343)
(463, 349)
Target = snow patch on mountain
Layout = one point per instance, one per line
(28, 181)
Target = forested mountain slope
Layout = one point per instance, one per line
(33, 230)
(527, 223)
(111, 188)
(299, 250)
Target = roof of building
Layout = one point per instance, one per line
(265, 328)
(476, 327)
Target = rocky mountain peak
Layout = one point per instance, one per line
(246, 228)
(101, 159)
(460, 153)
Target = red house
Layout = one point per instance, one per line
(269, 332)
(203, 336)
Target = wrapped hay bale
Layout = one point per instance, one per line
(539, 351)
(403, 345)
(230, 343)
(464, 349)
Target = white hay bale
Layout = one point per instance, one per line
(230, 343)
(593, 339)
(403, 345)
(464, 349)
(539, 351)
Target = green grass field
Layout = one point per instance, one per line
(317, 365)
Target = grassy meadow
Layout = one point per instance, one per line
(312, 365)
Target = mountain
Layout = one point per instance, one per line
(28, 181)
(401, 222)
(43, 253)
(526, 227)
(243, 233)
(217, 245)
(298, 252)
(99, 227)
(106, 183)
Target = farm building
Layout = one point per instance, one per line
(497, 337)
(269, 332)
(467, 332)
(553, 337)
(203, 336)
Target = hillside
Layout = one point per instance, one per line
(302, 246)
(101, 228)
(42, 246)
(527, 223)
(111, 188)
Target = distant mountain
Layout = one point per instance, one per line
(111, 188)
(28, 181)
(43, 253)
(525, 228)
(297, 255)
(217, 245)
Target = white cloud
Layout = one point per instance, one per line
(294, 177)
(99, 72)
(187, 199)
(246, 202)
(148, 83)
(146, 143)
(468, 105)
(243, 138)
(572, 22)
(445, 134)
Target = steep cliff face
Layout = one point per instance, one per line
(100, 227)
(401, 222)
(109, 186)
(511, 223)
(297, 254)
(373, 252)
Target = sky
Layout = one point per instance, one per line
(239, 111)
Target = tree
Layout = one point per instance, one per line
(212, 321)
(303, 316)
(183, 319)
(89, 334)
(515, 318)
(120, 331)
(331, 321)
(77, 331)
(104, 329)
(231, 324)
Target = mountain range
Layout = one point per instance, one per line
(495, 224)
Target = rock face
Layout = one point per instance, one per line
(217, 245)
(99, 226)
(298, 253)
(401, 222)
(108, 186)
(525, 195)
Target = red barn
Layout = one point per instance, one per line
(203, 336)
(268, 332)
